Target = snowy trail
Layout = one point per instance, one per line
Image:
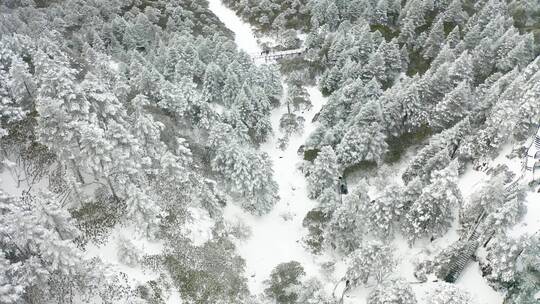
(244, 36)
(276, 237)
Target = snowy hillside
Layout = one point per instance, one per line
(270, 152)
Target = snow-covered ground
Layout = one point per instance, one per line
(244, 37)
(108, 253)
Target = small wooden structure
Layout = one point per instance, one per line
(273, 56)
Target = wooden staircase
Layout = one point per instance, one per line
(474, 238)
(459, 264)
(473, 241)
(531, 161)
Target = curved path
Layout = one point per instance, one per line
(276, 237)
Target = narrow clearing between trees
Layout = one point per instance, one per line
(277, 236)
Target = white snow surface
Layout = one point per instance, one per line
(199, 227)
(108, 253)
(472, 281)
(244, 37)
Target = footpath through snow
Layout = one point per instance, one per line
(243, 33)
(276, 237)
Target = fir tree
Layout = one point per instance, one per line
(431, 213)
(435, 39)
(372, 259)
(362, 144)
(324, 173)
(346, 228)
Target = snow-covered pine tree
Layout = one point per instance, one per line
(362, 143)
(248, 174)
(454, 13)
(324, 173)
(17, 86)
(329, 199)
(213, 84)
(392, 59)
(442, 148)
(372, 259)
(462, 69)
(446, 293)
(62, 107)
(435, 39)
(453, 107)
(253, 107)
(454, 37)
(431, 214)
(382, 213)
(43, 263)
(285, 282)
(525, 287)
(502, 258)
(344, 232)
(231, 87)
(375, 67)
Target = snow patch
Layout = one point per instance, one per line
(199, 229)
(472, 281)
(108, 253)
(471, 181)
(530, 223)
(243, 33)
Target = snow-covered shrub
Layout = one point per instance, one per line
(211, 273)
(285, 282)
(239, 229)
(394, 291)
(315, 221)
(127, 252)
(312, 291)
(446, 293)
(372, 259)
(291, 123)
